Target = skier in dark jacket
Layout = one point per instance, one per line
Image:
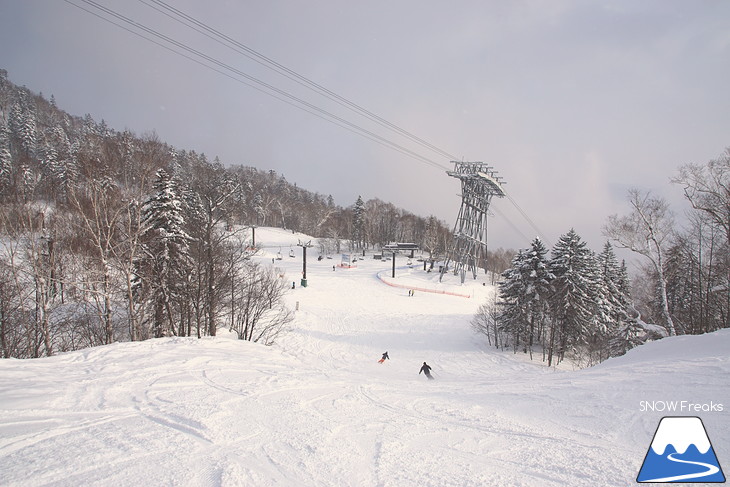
(385, 356)
(426, 370)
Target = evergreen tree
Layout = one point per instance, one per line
(22, 123)
(524, 297)
(165, 243)
(358, 222)
(54, 173)
(258, 208)
(609, 277)
(66, 170)
(629, 332)
(612, 305)
(573, 302)
(604, 315)
(89, 126)
(624, 286)
(513, 314)
(538, 279)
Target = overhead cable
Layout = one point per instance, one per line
(273, 91)
(263, 60)
(268, 89)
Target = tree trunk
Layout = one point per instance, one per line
(659, 267)
(212, 304)
(108, 325)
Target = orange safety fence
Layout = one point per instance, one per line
(422, 289)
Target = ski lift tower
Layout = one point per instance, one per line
(479, 182)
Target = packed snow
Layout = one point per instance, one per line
(317, 409)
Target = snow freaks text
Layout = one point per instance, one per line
(680, 407)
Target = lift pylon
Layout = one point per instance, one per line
(479, 183)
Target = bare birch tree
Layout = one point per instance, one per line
(260, 312)
(646, 231)
(98, 213)
(707, 188)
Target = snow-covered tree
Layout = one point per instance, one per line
(358, 222)
(22, 123)
(6, 162)
(259, 210)
(165, 244)
(431, 239)
(538, 290)
(210, 196)
(614, 290)
(59, 162)
(573, 302)
(513, 316)
(99, 209)
(646, 230)
(524, 297)
(707, 188)
(28, 182)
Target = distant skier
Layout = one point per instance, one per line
(385, 356)
(426, 370)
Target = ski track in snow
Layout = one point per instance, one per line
(316, 409)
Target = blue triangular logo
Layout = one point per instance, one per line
(681, 452)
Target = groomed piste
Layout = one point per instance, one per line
(317, 409)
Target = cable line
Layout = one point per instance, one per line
(306, 106)
(263, 60)
(528, 219)
(512, 225)
(235, 74)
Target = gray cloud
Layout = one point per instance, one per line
(571, 101)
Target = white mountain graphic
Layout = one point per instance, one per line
(680, 432)
(680, 463)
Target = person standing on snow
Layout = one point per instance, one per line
(426, 370)
(385, 356)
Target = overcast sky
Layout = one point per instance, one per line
(573, 102)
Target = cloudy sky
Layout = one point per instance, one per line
(572, 101)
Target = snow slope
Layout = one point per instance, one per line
(316, 409)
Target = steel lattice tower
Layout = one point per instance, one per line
(479, 183)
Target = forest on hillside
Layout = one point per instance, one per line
(110, 236)
(574, 303)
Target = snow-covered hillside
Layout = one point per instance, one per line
(316, 409)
